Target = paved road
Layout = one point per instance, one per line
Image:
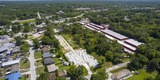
(117, 66)
(32, 64)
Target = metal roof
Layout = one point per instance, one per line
(127, 45)
(114, 34)
(133, 42)
(89, 25)
(121, 74)
(3, 48)
(46, 55)
(101, 27)
(10, 62)
(8, 44)
(14, 76)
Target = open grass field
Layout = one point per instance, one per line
(143, 74)
(27, 21)
(69, 39)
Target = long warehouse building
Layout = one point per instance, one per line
(129, 45)
(114, 34)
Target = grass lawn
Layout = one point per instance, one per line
(143, 74)
(69, 39)
(24, 65)
(39, 62)
(27, 21)
(26, 55)
(40, 70)
(60, 65)
(57, 61)
(24, 77)
(38, 55)
(2, 78)
(30, 36)
(126, 60)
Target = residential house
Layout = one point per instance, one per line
(48, 61)
(14, 76)
(47, 55)
(121, 75)
(52, 68)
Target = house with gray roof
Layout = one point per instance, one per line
(47, 55)
(3, 49)
(48, 61)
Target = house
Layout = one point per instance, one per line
(47, 55)
(52, 68)
(14, 76)
(45, 49)
(3, 49)
(48, 61)
(17, 50)
(4, 64)
(9, 45)
(121, 75)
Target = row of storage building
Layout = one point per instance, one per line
(129, 45)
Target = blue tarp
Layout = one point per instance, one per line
(14, 76)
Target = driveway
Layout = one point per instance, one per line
(117, 66)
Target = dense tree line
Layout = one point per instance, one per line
(139, 23)
(95, 42)
(49, 38)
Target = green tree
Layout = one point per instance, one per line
(27, 28)
(18, 40)
(76, 73)
(60, 78)
(44, 76)
(100, 75)
(24, 47)
(36, 43)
